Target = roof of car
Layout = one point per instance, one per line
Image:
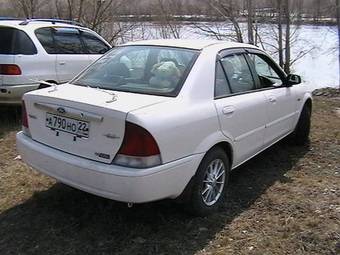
(197, 44)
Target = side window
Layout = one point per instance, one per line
(238, 73)
(68, 43)
(45, 37)
(93, 44)
(221, 84)
(267, 75)
(14, 41)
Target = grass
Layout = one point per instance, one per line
(284, 201)
(10, 118)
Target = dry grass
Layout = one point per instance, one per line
(285, 201)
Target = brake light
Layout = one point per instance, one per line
(10, 69)
(24, 119)
(24, 115)
(139, 149)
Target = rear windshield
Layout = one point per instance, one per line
(14, 41)
(140, 69)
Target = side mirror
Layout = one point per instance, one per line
(292, 79)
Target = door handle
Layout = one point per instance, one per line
(272, 99)
(62, 63)
(227, 110)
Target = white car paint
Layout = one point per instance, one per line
(184, 127)
(42, 66)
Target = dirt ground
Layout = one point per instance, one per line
(284, 201)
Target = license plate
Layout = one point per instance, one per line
(73, 126)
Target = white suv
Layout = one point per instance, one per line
(163, 119)
(43, 50)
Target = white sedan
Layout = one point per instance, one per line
(163, 119)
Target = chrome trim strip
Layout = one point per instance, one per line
(70, 112)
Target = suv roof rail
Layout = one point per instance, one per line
(9, 18)
(53, 21)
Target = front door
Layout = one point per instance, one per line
(280, 100)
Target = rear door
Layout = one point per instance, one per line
(280, 100)
(72, 57)
(95, 47)
(241, 107)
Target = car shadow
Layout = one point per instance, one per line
(62, 220)
(10, 118)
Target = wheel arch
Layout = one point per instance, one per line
(227, 148)
(308, 102)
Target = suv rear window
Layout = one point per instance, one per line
(14, 41)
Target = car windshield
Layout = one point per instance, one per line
(140, 69)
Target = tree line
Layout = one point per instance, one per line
(106, 16)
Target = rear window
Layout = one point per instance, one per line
(141, 69)
(14, 41)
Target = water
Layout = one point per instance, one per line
(314, 46)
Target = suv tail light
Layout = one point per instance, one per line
(24, 119)
(139, 149)
(10, 69)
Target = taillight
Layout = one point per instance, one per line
(24, 119)
(139, 149)
(10, 69)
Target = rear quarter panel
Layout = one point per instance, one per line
(187, 124)
(180, 128)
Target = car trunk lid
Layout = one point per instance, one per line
(56, 114)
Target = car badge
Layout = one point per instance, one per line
(61, 110)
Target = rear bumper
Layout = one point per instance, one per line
(13, 94)
(110, 181)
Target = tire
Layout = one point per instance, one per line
(302, 129)
(199, 203)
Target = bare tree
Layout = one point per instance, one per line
(101, 16)
(287, 48)
(227, 11)
(168, 25)
(28, 7)
(317, 10)
(337, 2)
(279, 26)
(250, 22)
